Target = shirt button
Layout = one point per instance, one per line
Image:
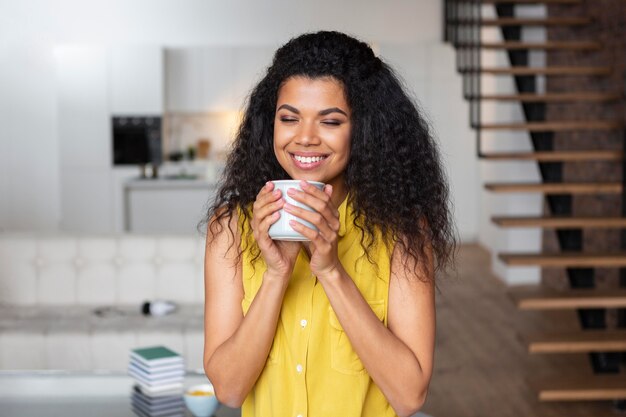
(299, 368)
(303, 323)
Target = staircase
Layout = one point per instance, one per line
(574, 109)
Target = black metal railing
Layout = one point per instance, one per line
(462, 29)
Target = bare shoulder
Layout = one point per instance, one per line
(223, 261)
(223, 237)
(406, 270)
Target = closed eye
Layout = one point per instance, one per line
(331, 122)
(287, 119)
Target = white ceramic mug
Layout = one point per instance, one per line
(281, 229)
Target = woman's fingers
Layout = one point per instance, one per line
(326, 229)
(266, 195)
(310, 195)
(268, 201)
(307, 232)
(267, 222)
(318, 200)
(268, 209)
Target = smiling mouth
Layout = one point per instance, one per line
(308, 162)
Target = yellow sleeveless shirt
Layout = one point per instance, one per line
(312, 369)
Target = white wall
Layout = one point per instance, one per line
(408, 31)
(429, 70)
(197, 22)
(498, 239)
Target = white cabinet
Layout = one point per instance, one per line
(217, 79)
(167, 206)
(84, 139)
(212, 78)
(183, 79)
(249, 66)
(82, 107)
(199, 79)
(136, 80)
(95, 83)
(86, 204)
(29, 149)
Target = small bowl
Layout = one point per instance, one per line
(201, 400)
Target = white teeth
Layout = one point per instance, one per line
(308, 159)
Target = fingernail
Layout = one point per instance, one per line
(287, 206)
(304, 184)
(276, 192)
(291, 191)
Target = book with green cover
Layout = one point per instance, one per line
(155, 355)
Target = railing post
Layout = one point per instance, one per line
(474, 96)
(446, 20)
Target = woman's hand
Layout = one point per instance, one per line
(323, 246)
(279, 256)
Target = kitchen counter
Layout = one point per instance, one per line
(169, 183)
(173, 206)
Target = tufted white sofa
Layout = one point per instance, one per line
(73, 302)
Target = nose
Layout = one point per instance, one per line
(307, 136)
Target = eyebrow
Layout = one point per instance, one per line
(321, 113)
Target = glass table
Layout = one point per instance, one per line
(74, 394)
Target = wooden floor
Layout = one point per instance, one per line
(482, 367)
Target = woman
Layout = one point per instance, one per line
(343, 325)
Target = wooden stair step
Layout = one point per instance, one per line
(540, 298)
(550, 97)
(557, 188)
(584, 341)
(565, 259)
(550, 45)
(561, 222)
(555, 126)
(555, 156)
(516, 21)
(549, 71)
(585, 386)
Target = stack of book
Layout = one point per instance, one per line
(158, 373)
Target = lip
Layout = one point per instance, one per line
(309, 166)
(309, 154)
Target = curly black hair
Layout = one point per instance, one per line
(394, 176)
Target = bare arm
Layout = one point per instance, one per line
(401, 360)
(231, 362)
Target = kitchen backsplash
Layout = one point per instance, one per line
(184, 130)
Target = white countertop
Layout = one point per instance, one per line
(167, 183)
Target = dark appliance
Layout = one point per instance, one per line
(136, 140)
